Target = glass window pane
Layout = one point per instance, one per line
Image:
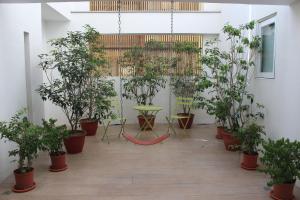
(267, 56)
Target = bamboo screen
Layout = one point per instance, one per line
(115, 48)
(98, 5)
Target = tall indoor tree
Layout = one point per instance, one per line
(67, 68)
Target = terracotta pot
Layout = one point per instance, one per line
(249, 161)
(283, 191)
(58, 162)
(74, 143)
(231, 143)
(150, 118)
(188, 121)
(90, 126)
(24, 181)
(220, 130)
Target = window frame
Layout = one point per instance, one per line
(262, 23)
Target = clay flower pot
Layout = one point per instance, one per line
(58, 162)
(220, 130)
(75, 142)
(188, 121)
(231, 143)
(89, 125)
(24, 181)
(150, 118)
(249, 161)
(283, 191)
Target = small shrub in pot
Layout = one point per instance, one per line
(251, 137)
(281, 160)
(52, 139)
(28, 139)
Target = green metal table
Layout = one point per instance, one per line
(146, 110)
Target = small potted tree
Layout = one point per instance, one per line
(250, 137)
(219, 109)
(99, 92)
(70, 59)
(28, 139)
(52, 139)
(229, 71)
(281, 160)
(94, 83)
(146, 78)
(183, 86)
(183, 82)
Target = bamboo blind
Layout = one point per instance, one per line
(114, 49)
(98, 5)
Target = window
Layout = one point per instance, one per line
(266, 61)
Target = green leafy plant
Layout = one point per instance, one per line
(229, 72)
(52, 137)
(184, 85)
(281, 159)
(26, 135)
(73, 57)
(183, 82)
(146, 78)
(251, 136)
(99, 103)
(154, 45)
(219, 109)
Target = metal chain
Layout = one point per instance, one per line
(171, 47)
(172, 19)
(119, 16)
(119, 55)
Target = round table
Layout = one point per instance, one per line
(146, 110)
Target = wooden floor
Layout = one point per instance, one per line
(191, 166)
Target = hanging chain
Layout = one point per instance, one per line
(171, 47)
(119, 56)
(119, 16)
(172, 18)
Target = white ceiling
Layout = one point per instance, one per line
(269, 2)
(50, 14)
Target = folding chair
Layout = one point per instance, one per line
(116, 109)
(180, 103)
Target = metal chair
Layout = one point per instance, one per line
(116, 109)
(181, 102)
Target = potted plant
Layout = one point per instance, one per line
(220, 110)
(281, 162)
(28, 139)
(250, 137)
(183, 82)
(52, 140)
(94, 83)
(146, 78)
(229, 72)
(70, 59)
(100, 91)
(183, 86)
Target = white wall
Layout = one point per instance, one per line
(12, 67)
(281, 95)
(147, 22)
